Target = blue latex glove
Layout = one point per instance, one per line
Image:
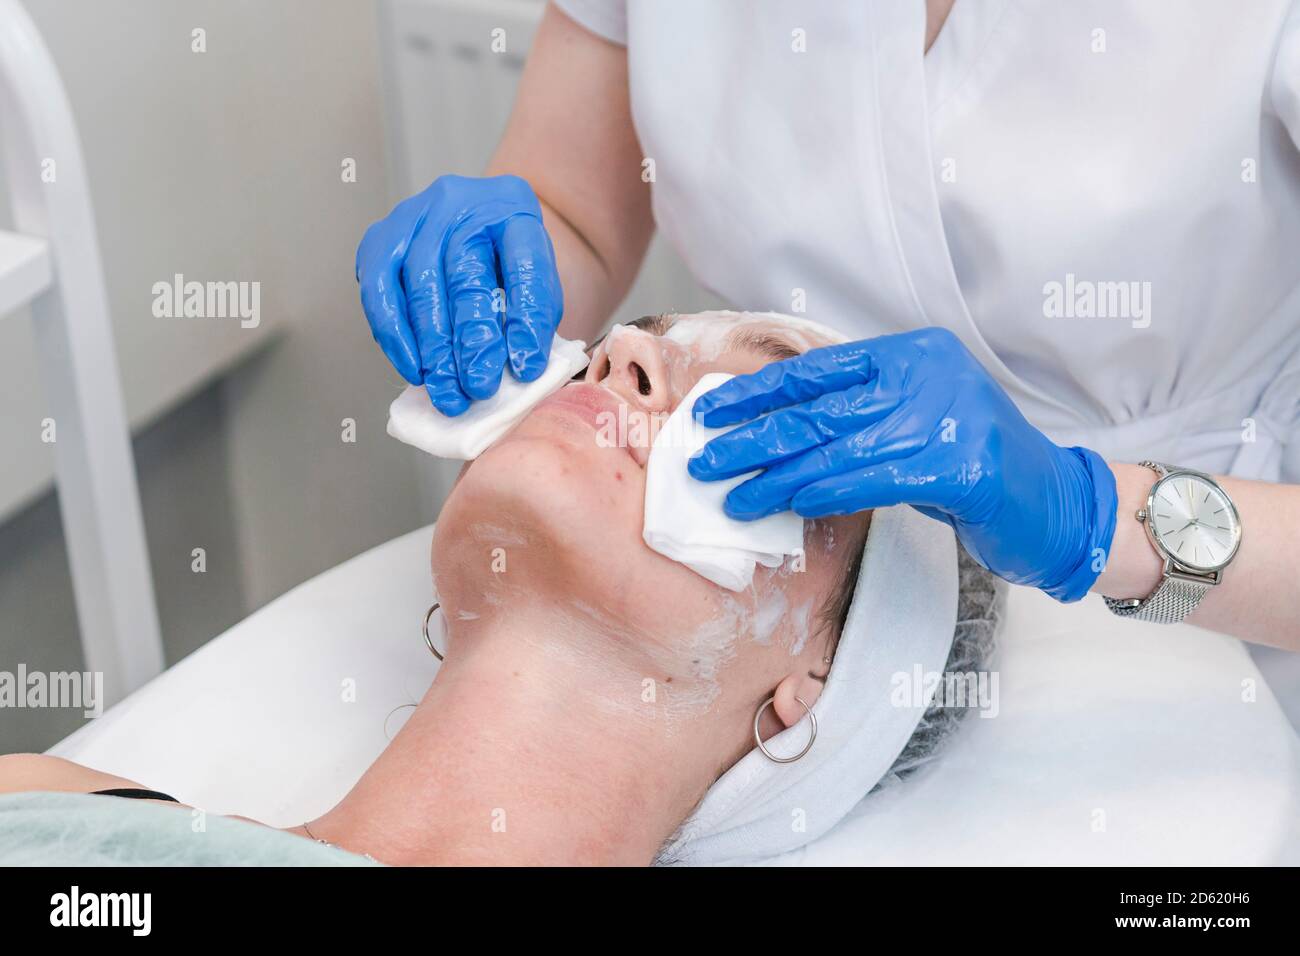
(429, 271)
(913, 419)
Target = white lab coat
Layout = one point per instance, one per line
(809, 156)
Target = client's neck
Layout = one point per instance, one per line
(529, 748)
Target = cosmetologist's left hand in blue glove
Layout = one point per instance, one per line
(913, 419)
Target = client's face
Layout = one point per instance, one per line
(546, 526)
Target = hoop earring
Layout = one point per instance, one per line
(427, 639)
(763, 747)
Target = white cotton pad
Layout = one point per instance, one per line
(413, 419)
(684, 519)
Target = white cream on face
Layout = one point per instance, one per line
(687, 670)
(615, 332)
(707, 333)
(799, 628)
(768, 614)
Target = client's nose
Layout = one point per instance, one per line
(635, 368)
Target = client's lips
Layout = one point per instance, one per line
(599, 408)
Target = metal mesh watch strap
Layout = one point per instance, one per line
(1175, 598)
(1172, 601)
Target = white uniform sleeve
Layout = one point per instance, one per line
(1279, 407)
(1274, 452)
(605, 18)
(1283, 99)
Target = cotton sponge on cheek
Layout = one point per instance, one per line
(413, 419)
(684, 518)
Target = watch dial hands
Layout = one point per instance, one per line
(1199, 514)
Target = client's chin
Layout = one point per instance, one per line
(543, 508)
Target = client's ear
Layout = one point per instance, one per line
(787, 709)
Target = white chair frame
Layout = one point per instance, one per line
(52, 263)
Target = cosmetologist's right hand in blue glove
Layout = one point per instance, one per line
(430, 272)
(913, 419)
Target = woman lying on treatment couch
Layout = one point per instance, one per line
(593, 691)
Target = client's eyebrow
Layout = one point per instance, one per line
(655, 324)
(764, 343)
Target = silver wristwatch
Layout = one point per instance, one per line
(1194, 526)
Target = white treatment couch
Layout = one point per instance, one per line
(1116, 742)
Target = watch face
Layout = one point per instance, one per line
(1194, 521)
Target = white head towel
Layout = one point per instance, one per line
(413, 419)
(903, 615)
(684, 519)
